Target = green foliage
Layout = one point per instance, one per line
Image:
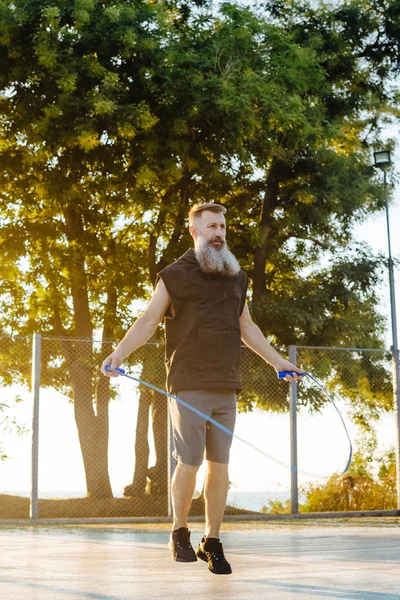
(363, 378)
(8, 424)
(370, 484)
(359, 489)
(3, 455)
(116, 116)
(276, 507)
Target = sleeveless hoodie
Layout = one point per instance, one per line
(202, 328)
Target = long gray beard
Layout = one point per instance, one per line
(213, 260)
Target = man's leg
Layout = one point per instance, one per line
(217, 481)
(216, 489)
(189, 441)
(182, 489)
(215, 493)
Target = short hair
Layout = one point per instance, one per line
(198, 209)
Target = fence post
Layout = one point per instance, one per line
(36, 352)
(396, 393)
(294, 489)
(171, 462)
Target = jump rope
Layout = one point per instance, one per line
(281, 375)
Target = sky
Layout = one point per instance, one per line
(373, 231)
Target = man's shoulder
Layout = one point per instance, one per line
(244, 277)
(185, 261)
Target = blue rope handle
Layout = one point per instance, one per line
(281, 375)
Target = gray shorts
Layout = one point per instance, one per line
(193, 434)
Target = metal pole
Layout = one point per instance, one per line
(395, 346)
(294, 485)
(36, 351)
(171, 462)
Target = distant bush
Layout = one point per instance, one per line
(362, 488)
(276, 507)
(359, 489)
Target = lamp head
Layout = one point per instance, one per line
(382, 159)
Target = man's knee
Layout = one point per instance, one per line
(217, 466)
(185, 468)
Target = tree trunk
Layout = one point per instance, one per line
(153, 366)
(102, 436)
(92, 428)
(138, 485)
(261, 252)
(158, 474)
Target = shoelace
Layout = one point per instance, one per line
(218, 549)
(183, 541)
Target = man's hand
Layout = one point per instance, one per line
(285, 365)
(115, 360)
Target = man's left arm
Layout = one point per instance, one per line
(253, 338)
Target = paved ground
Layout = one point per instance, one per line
(354, 560)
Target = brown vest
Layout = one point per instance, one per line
(202, 328)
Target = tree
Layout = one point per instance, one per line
(115, 116)
(66, 190)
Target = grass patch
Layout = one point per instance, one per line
(17, 507)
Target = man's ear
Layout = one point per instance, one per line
(193, 232)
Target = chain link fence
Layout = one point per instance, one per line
(361, 383)
(104, 446)
(15, 424)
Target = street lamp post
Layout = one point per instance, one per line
(382, 160)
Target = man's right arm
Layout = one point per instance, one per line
(142, 329)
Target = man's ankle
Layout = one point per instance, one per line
(176, 526)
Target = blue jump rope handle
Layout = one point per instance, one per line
(282, 374)
(119, 370)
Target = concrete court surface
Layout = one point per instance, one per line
(349, 559)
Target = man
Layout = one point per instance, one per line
(203, 299)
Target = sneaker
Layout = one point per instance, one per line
(180, 546)
(210, 550)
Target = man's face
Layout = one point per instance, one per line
(211, 227)
(211, 251)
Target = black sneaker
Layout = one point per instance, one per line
(180, 546)
(210, 550)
